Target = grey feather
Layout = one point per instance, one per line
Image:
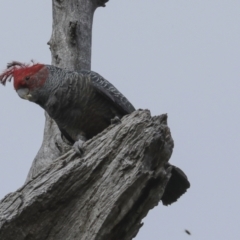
(108, 91)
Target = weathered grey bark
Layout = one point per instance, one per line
(122, 175)
(103, 195)
(70, 45)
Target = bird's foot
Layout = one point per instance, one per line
(78, 147)
(116, 120)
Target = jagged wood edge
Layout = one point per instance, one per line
(103, 195)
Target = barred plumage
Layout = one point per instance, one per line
(82, 103)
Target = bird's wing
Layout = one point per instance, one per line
(107, 90)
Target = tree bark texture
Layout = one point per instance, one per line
(103, 195)
(70, 45)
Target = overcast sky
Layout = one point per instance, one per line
(179, 57)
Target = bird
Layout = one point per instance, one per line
(82, 102)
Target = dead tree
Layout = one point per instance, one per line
(123, 173)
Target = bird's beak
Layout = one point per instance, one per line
(24, 93)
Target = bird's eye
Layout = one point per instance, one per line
(27, 78)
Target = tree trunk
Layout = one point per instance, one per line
(123, 173)
(70, 46)
(103, 195)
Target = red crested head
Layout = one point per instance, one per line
(24, 75)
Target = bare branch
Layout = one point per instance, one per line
(104, 195)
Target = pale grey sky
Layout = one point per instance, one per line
(179, 57)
